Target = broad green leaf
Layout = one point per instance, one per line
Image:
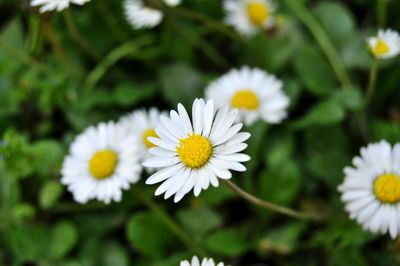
(114, 254)
(64, 237)
(385, 130)
(323, 113)
(200, 220)
(228, 242)
(50, 193)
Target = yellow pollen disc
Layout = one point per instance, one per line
(103, 163)
(245, 99)
(149, 133)
(194, 150)
(387, 188)
(258, 13)
(380, 48)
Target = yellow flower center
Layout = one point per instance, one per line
(245, 99)
(194, 150)
(103, 163)
(380, 48)
(258, 13)
(387, 188)
(149, 133)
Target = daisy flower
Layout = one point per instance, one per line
(254, 92)
(196, 262)
(194, 154)
(59, 5)
(103, 161)
(371, 189)
(141, 16)
(249, 16)
(385, 45)
(142, 124)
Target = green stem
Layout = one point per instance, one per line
(115, 55)
(170, 223)
(269, 205)
(323, 40)
(373, 73)
(79, 39)
(381, 13)
(208, 22)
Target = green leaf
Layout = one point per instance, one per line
(50, 193)
(314, 70)
(148, 235)
(48, 155)
(385, 130)
(23, 212)
(114, 254)
(323, 113)
(199, 221)
(64, 237)
(228, 242)
(350, 98)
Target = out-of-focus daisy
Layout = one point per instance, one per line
(103, 161)
(196, 262)
(59, 5)
(194, 154)
(385, 45)
(254, 92)
(249, 16)
(141, 16)
(142, 124)
(371, 189)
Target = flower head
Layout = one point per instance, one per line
(255, 93)
(249, 16)
(196, 262)
(141, 16)
(371, 189)
(385, 45)
(59, 5)
(194, 154)
(103, 161)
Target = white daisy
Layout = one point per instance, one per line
(103, 161)
(196, 262)
(195, 153)
(385, 45)
(254, 92)
(59, 5)
(249, 16)
(142, 124)
(141, 16)
(371, 189)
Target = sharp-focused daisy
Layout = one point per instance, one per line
(59, 5)
(385, 45)
(371, 189)
(196, 262)
(249, 16)
(194, 154)
(141, 16)
(142, 124)
(103, 161)
(254, 92)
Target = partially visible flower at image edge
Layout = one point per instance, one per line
(141, 16)
(205, 262)
(103, 161)
(194, 154)
(249, 16)
(254, 92)
(385, 45)
(371, 189)
(58, 5)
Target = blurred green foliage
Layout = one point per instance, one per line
(52, 86)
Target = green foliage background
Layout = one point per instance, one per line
(62, 72)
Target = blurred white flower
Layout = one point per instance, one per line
(371, 189)
(196, 262)
(103, 161)
(254, 92)
(385, 45)
(194, 154)
(59, 5)
(141, 16)
(249, 16)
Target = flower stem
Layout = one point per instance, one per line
(381, 13)
(373, 73)
(170, 223)
(268, 205)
